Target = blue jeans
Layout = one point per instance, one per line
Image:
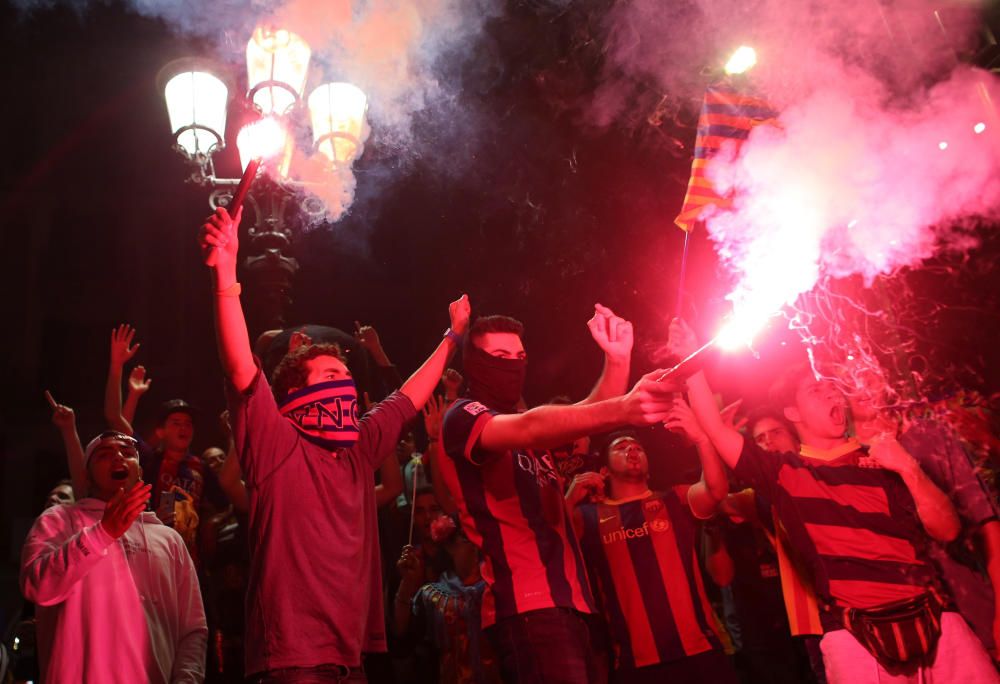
(321, 674)
(548, 646)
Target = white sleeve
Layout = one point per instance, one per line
(192, 628)
(53, 561)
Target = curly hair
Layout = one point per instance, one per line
(291, 372)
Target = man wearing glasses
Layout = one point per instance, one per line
(117, 594)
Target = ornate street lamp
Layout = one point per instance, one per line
(339, 128)
(198, 94)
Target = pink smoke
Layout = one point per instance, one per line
(853, 179)
(848, 185)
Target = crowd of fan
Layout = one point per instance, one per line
(826, 539)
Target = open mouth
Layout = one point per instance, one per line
(838, 415)
(119, 473)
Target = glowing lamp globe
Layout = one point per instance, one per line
(337, 111)
(268, 140)
(742, 60)
(196, 105)
(277, 65)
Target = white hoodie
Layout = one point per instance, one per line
(126, 610)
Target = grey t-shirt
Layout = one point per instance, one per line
(315, 588)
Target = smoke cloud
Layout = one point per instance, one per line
(391, 49)
(876, 161)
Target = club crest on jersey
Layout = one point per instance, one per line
(474, 408)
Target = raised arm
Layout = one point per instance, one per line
(230, 475)
(138, 385)
(433, 416)
(122, 350)
(705, 494)
(613, 335)
(64, 419)
(388, 375)
(421, 384)
(219, 239)
(934, 508)
(53, 561)
(727, 441)
(548, 426)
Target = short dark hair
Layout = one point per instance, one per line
(762, 412)
(784, 389)
(494, 324)
(291, 371)
(613, 437)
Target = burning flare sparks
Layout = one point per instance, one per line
(741, 61)
(265, 139)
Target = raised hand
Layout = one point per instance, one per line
(411, 570)
(886, 452)
(612, 333)
(122, 349)
(681, 340)
(62, 416)
(682, 419)
(367, 337)
(433, 416)
(219, 239)
(452, 381)
(124, 508)
(728, 415)
(650, 402)
(459, 312)
(585, 486)
(137, 380)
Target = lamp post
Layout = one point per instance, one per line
(198, 95)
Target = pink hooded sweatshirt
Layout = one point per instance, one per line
(113, 610)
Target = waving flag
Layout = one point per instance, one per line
(726, 115)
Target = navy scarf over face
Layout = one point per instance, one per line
(325, 413)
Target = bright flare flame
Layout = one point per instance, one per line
(979, 127)
(739, 330)
(943, 145)
(266, 139)
(742, 60)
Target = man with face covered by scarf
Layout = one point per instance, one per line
(314, 600)
(510, 495)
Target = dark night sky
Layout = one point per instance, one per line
(539, 217)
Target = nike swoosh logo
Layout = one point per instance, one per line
(604, 520)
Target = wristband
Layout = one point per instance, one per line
(233, 290)
(453, 336)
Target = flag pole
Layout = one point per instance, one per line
(683, 275)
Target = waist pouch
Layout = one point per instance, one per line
(897, 633)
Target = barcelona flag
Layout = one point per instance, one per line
(726, 115)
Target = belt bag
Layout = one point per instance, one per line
(898, 633)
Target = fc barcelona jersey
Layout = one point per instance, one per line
(643, 562)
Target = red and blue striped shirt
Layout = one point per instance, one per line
(643, 562)
(855, 529)
(511, 506)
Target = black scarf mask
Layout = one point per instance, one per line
(495, 382)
